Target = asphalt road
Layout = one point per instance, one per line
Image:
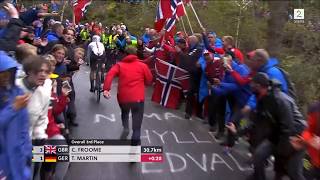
(190, 151)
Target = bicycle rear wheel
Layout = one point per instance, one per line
(98, 84)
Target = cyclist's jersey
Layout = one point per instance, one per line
(96, 49)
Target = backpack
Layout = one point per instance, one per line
(291, 86)
(299, 123)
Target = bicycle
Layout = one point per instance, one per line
(99, 79)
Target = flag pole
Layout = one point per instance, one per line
(184, 28)
(187, 17)
(195, 13)
(73, 15)
(63, 9)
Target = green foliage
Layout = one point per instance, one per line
(300, 57)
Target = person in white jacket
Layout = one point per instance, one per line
(37, 72)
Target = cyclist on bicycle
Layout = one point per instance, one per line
(95, 54)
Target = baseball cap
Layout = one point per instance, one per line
(251, 54)
(182, 41)
(213, 33)
(28, 29)
(123, 27)
(261, 79)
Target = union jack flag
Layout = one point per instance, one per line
(170, 83)
(48, 149)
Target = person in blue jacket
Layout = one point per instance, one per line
(229, 86)
(15, 145)
(260, 61)
(146, 36)
(56, 33)
(237, 95)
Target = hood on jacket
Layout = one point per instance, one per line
(271, 63)
(51, 33)
(130, 58)
(8, 63)
(96, 38)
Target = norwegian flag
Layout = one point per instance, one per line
(170, 83)
(14, 2)
(163, 13)
(177, 11)
(167, 13)
(48, 149)
(79, 8)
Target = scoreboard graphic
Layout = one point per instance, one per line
(96, 151)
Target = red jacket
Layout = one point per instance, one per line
(175, 56)
(242, 80)
(313, 130)
(238, 54)
(57, 106)
(133, 75)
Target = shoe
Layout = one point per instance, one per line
(135, 142)
(74, 124)
(212, 129)
(92, 90)
(187, 116)
(227, 150)
(251, 177)
(224, 143)
(205, 122)
(219, 135)
(124, 134)
(200, 116)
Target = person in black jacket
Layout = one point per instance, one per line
(189, 62)
(12, 32)
(281, 119)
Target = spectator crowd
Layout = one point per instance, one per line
(40, 55)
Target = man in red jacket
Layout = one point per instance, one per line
(310, 139)
(133, 75)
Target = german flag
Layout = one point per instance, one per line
(50, 159)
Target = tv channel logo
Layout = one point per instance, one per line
(298, 15)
